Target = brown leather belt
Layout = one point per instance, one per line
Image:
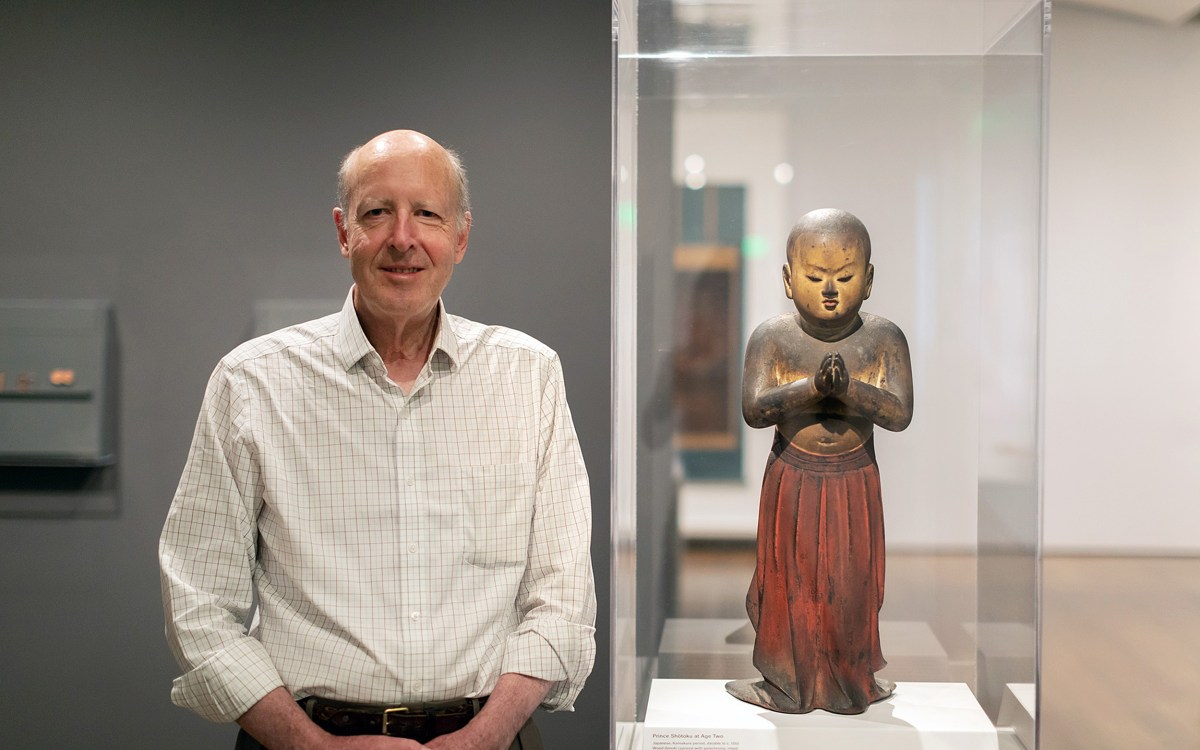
(420, 722)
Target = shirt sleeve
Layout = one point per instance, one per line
(556, 639)
(206, 560)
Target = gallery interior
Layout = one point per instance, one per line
(168, 174)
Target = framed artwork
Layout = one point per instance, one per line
(706, 386)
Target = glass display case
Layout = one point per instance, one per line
(732, 119)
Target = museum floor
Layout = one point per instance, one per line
(1121, 638)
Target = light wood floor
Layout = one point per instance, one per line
(1120, 638)
(1121, 653)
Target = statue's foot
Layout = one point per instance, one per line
(764, 694)
(761, 693)
(886, 688)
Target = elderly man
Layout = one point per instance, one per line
(402, 492)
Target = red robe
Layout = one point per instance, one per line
(818, 582)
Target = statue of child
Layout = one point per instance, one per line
(823, 376)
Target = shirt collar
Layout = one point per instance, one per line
(352, 345)
(447, 340)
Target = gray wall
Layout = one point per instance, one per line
(178, 159)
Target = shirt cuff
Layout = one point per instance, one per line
(227, 683)
(559, 652)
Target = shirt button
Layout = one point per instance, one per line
(410, 481)
(415, 616)
(412, 549)
(415, 685)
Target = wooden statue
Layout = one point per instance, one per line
(823, 376)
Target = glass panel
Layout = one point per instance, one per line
(1010, 380)
(627, 676)
(732, 120)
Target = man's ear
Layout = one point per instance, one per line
(461, 248)
(870, 281)
(787, 280)
(339, 222)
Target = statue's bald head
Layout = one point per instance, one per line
(404, 142)
(830, 222)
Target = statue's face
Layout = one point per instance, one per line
(827, 277)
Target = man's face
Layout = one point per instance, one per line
(399, 230)
(828, 277)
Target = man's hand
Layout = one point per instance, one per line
(509, 706)
(372, 742)
(276, 721)
(831, 379)
(460, 740)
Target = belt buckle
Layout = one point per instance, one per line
(387, 714)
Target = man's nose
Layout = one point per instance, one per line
(830, 290)
(402, 232)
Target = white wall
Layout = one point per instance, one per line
(1122, 429)
(920, 202)
(1122, 416)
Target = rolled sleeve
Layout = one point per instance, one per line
(557, 651)
(206, 555)
(555, 640)
(226, 685)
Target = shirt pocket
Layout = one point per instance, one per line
(497, 504)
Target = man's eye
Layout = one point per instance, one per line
(373, 213)
(814, 279)
(426, 213)
(844, 279)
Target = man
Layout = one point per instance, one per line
(403, 491)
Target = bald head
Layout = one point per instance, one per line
(398, 142)
(830, 222)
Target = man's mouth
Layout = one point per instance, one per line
(401, 269)
(830, 304)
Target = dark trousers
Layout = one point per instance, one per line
(527, 739)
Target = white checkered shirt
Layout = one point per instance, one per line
(403, 548)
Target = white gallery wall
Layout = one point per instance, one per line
(924, 238)
(1122, 333)
(1122, 411)
(800, 143)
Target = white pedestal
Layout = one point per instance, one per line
(1008, 655)
(1018, 709)
(700, 715)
